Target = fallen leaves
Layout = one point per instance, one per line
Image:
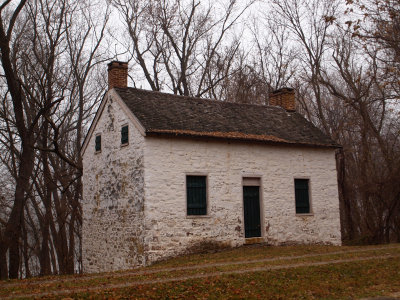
(344, 280)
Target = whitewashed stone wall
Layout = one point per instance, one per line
(167, 162)
(134, 197)
(113, 195)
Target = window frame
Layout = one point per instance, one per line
(127, 143)
(310, 212)
(95, 143)
(207, 215)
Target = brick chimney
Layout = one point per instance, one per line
(284, 97)
(117, 74)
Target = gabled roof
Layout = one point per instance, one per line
(168, 114)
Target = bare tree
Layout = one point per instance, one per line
(356, 80)
(310, 23)
(275, 57)
(54, 57)
(182, 45)
(25, 127)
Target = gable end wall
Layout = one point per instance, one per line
(113, 196)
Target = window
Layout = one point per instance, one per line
(124, 135)
(196, 191)
(302, 195)
(97, 145)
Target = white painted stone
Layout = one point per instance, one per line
(167, 161)
(134, 197)
(113, 195)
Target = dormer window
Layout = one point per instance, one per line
(124, 135)
(97, 143)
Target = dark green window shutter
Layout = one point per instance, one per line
(124, 135)
(302, 196)
(196, 191)
(97, 146)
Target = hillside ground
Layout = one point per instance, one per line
(248, 272)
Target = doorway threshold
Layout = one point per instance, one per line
(254, 240)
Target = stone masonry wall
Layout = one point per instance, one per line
(169, 231)
(113, 195)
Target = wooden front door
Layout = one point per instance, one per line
(251, 204)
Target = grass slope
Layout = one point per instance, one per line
(256, 272)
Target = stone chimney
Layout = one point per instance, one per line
(284, 97)
(117, 74)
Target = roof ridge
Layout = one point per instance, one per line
(203, 99)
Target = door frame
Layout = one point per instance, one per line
(254, 180)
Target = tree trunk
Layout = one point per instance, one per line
(44, 256)
(26, 252)
(3, 261)
(346, 221)
(13, 230)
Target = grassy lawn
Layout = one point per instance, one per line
(291, 272)
(352, 280)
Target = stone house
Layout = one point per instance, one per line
(165, 174)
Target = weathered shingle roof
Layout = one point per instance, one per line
(168, 114)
